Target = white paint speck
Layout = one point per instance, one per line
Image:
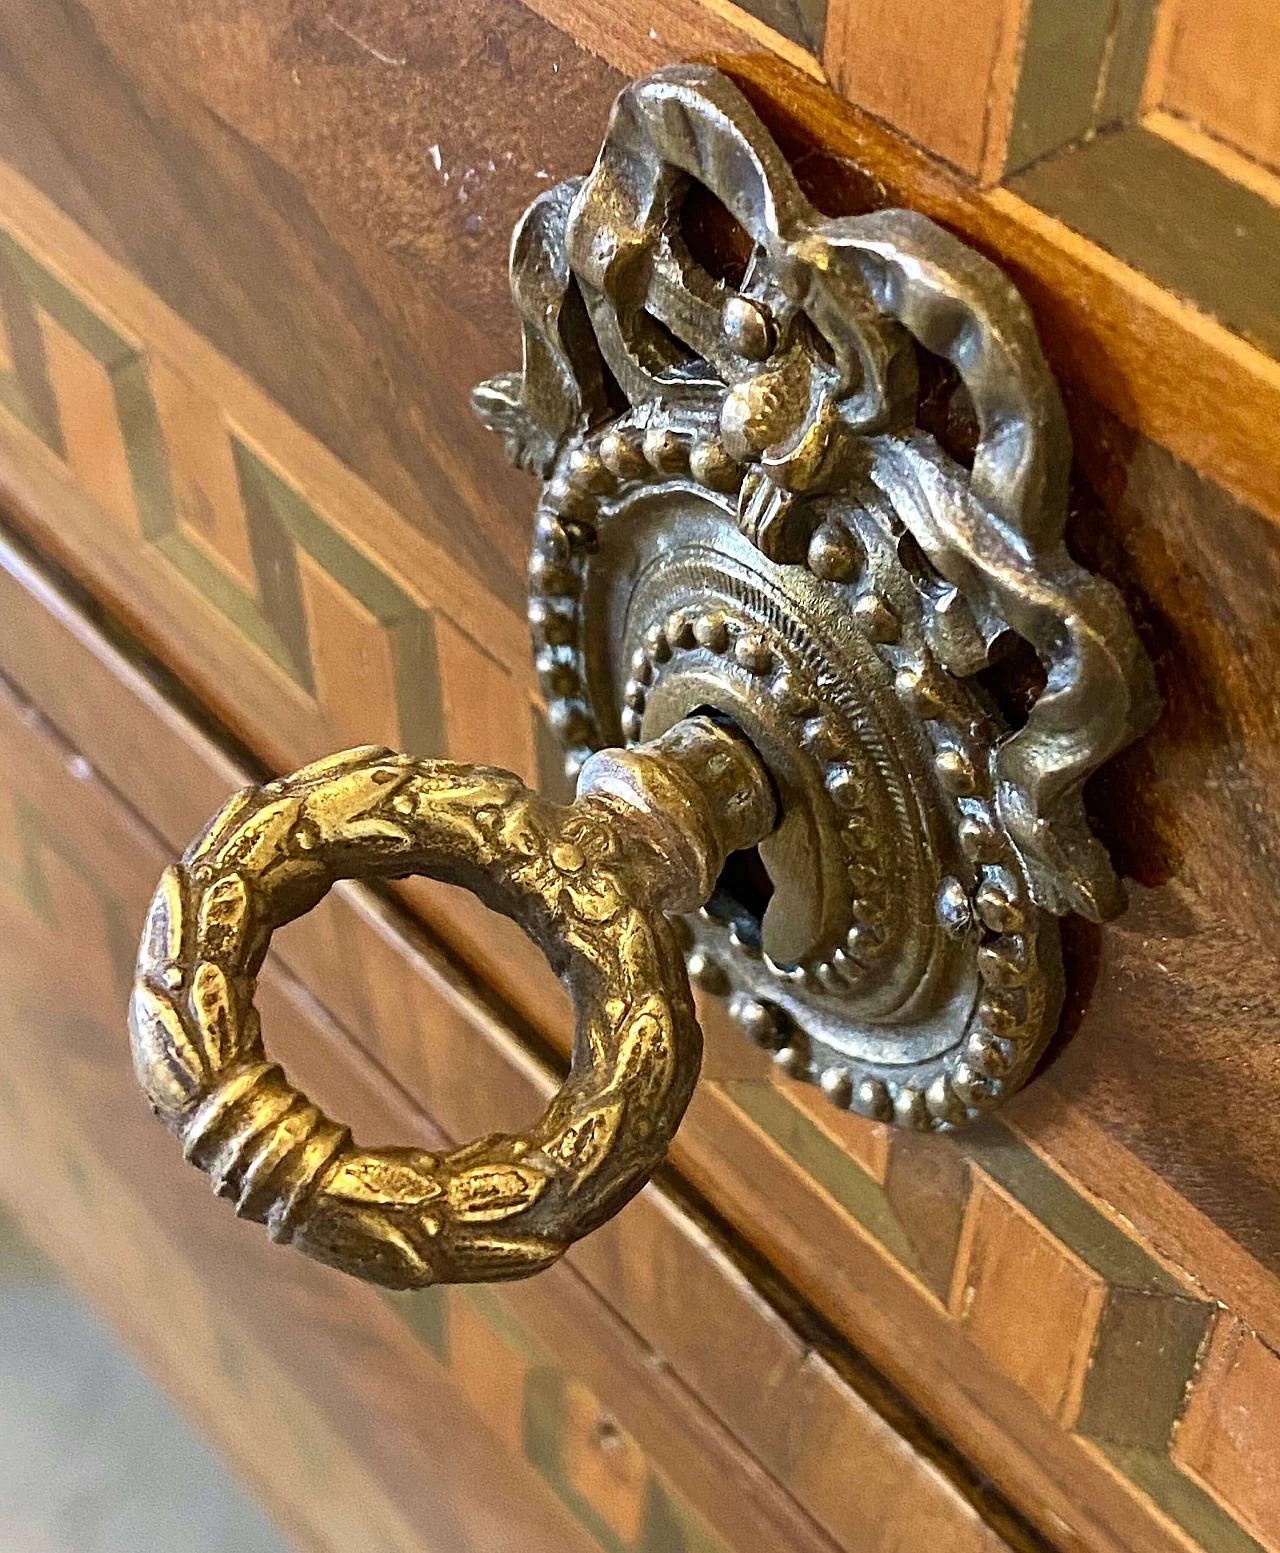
(361, 43)
(434, 153)
(542, 173)
(653, 33)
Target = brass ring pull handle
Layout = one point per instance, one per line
(589, 882)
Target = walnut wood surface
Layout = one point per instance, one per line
(281, 1366)
(357, 960)
(1160, 363)
(741, 1422)
(254, 178)
(1137, 506)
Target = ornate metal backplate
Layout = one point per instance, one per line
(743, 511)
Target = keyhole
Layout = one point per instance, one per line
(783, 896)
(742, 894)
(780, 897)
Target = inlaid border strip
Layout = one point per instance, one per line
(884, 1211)
(292, 497)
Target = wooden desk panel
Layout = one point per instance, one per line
(652, 1392)
(232, 401)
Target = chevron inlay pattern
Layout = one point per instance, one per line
(54, 343)
(338, 600)
(551, 1419)
(540, 1410)
(1062, 1298)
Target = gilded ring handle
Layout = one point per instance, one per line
(587, 882)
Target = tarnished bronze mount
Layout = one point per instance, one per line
(742, 510)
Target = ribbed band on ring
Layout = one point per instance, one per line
(263, 1144)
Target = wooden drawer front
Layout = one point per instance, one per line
(232, 399)
(641, 1395)
(329, 1403)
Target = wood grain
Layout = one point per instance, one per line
(1026, 1300)
(418, 1019)
(1166, 369)
(1218, 65)
(327, 263)
(1097, 315)
(109, 1120)
(1188, 800)
(1160, 822)
(1226, 1438)
(637, 1344)
(942, 73)
(259, 1347)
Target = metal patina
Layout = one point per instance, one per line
(744, 511)
(589, 882)
(757, 567)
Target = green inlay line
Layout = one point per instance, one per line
(275, 563)
(26, 390)
(1058, 83)
(409, 626)
(38, 837)
(1173, 217)
(75, 316)
(1145, 1355)
(127, 373)
(28, 880)
(228, 598)
(1151, 1330)
(148, 461)
(803, 21)
(542, 1424)
(144, 447)
(78, 1176)
(669, 1526)
(1183, 1501)
(13, 397)
(544, 1433)
(278, 518)
(425, 1313)
(826, 1162)
(1070, 1218)
(1082, 68)
(496, 1315)
(1126, 70)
